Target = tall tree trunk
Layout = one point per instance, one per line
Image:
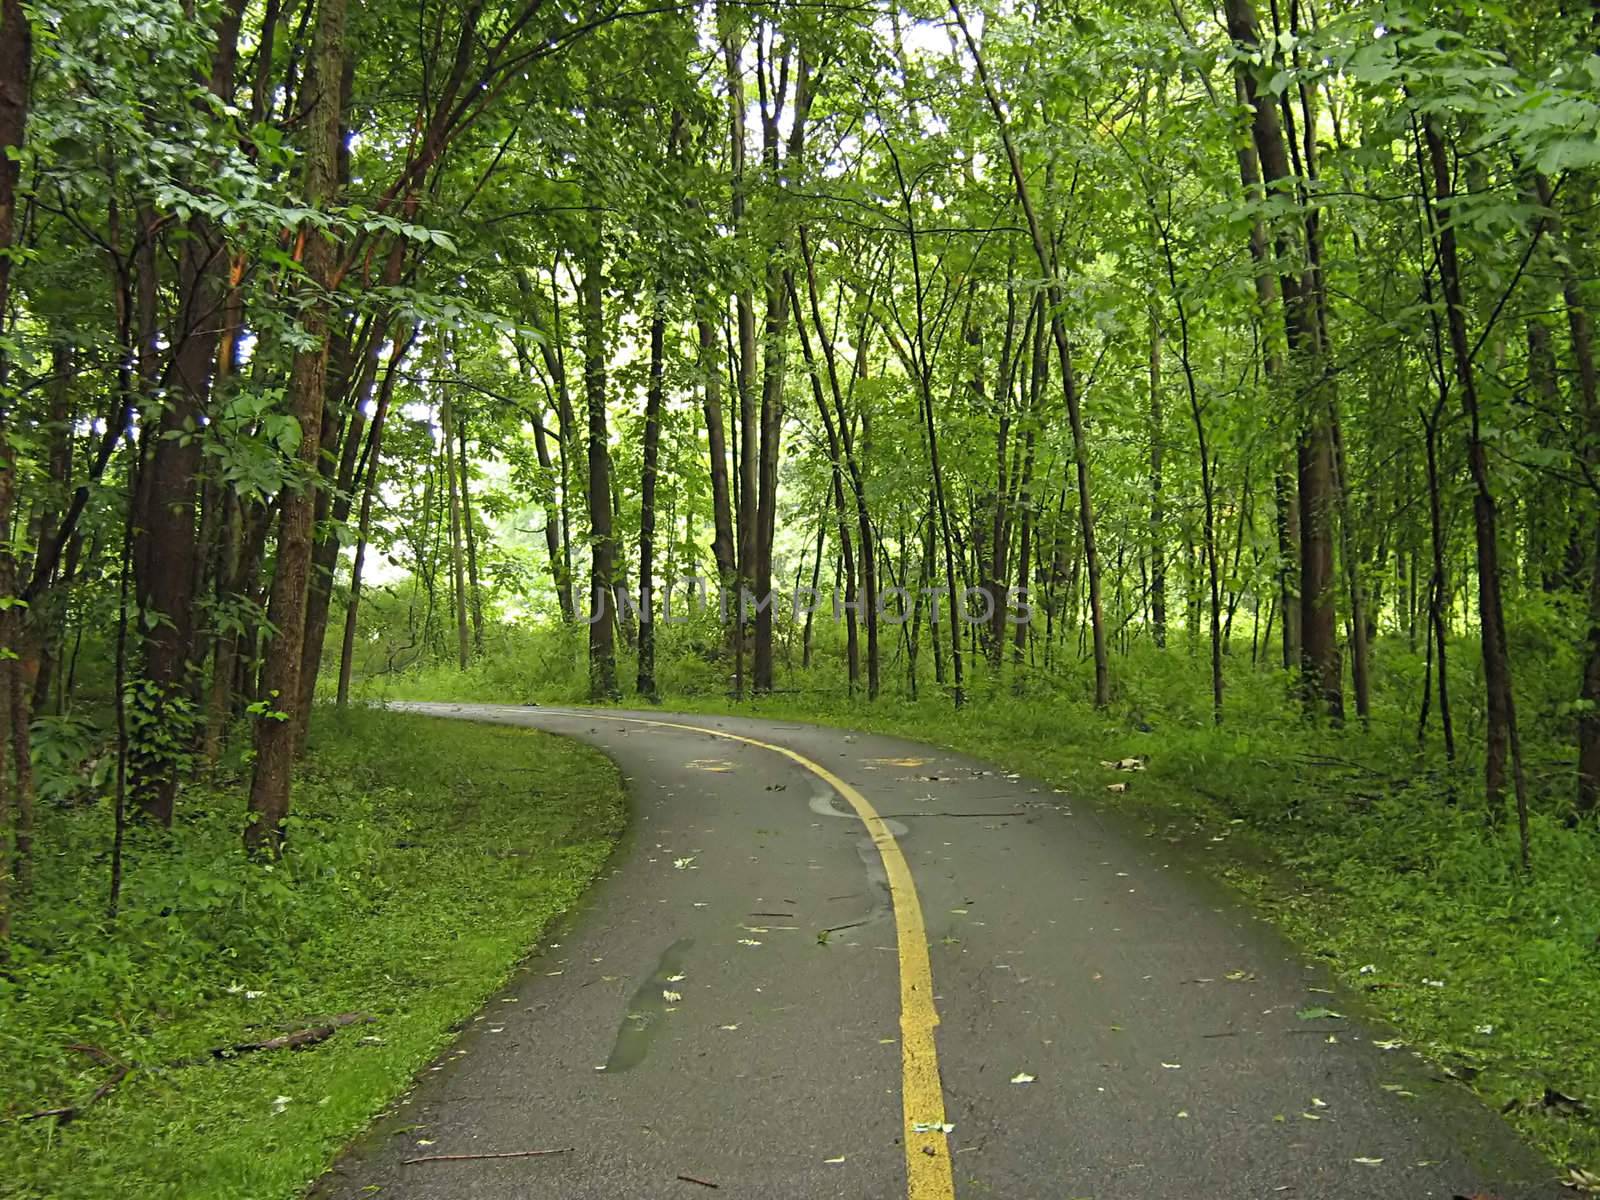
(166, 547)
(647, 502)
(369, 488)
(745, 363)
(474, 584)
(558, 539)
(458, 574)
(1360, 654)
(1299, 289)
(722, 543)
(275, 736)
(1500, 732)
(1158, 519)
(16, 77)
(836, 479)
(1581, 337)
(853, 467)
(772, 381)
(1069, 386)
(602, 621)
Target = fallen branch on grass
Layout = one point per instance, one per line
(298, 1040)
(72, 1112)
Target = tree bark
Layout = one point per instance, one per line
(275, 735)
(647, 503)
(458, 580)
(1158, 550)
(852, 462)
(166, 550)
(836, 480)
(1299, 289)
(1580, 335)
(602, 621)
(723, 551)
(1500, 732)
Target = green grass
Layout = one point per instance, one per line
(427, 858)
(1346, 838)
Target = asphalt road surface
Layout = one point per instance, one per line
(841, 965)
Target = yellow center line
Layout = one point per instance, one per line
(928, 1175)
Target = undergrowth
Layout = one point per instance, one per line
(426, 857)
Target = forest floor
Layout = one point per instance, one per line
(421, 875)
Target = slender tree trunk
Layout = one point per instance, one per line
(458, 575)
(1058, 332)
(16, 77)
(1360, 653)
(852, 462)
(722, 544)
(836, 478)
(1158, 519)
(1500, 733)
(275, 736)
(558, 534)
(474, 584)
(816, 582)
(1321, 676)
(602, 622)
(647, 504)
(1581, 337)
(1436, 584)
(369, 488)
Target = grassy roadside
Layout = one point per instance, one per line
(428, 856)
(1414, 904)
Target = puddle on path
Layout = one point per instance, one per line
(647, 1009)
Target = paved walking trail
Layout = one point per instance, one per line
(827, 964)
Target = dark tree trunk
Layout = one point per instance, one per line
(1581, 336)
(369, 489)
(16, 77)
(558, 540)
(166, 550)
(1500, 732)
(836, 479)
(722, 543)
(275, 737)
(647, 504)
(1299, 287)
(1158, 519)
(458, 579)
(602, 622)
(852, 462)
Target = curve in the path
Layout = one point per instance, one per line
(722, 1012)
